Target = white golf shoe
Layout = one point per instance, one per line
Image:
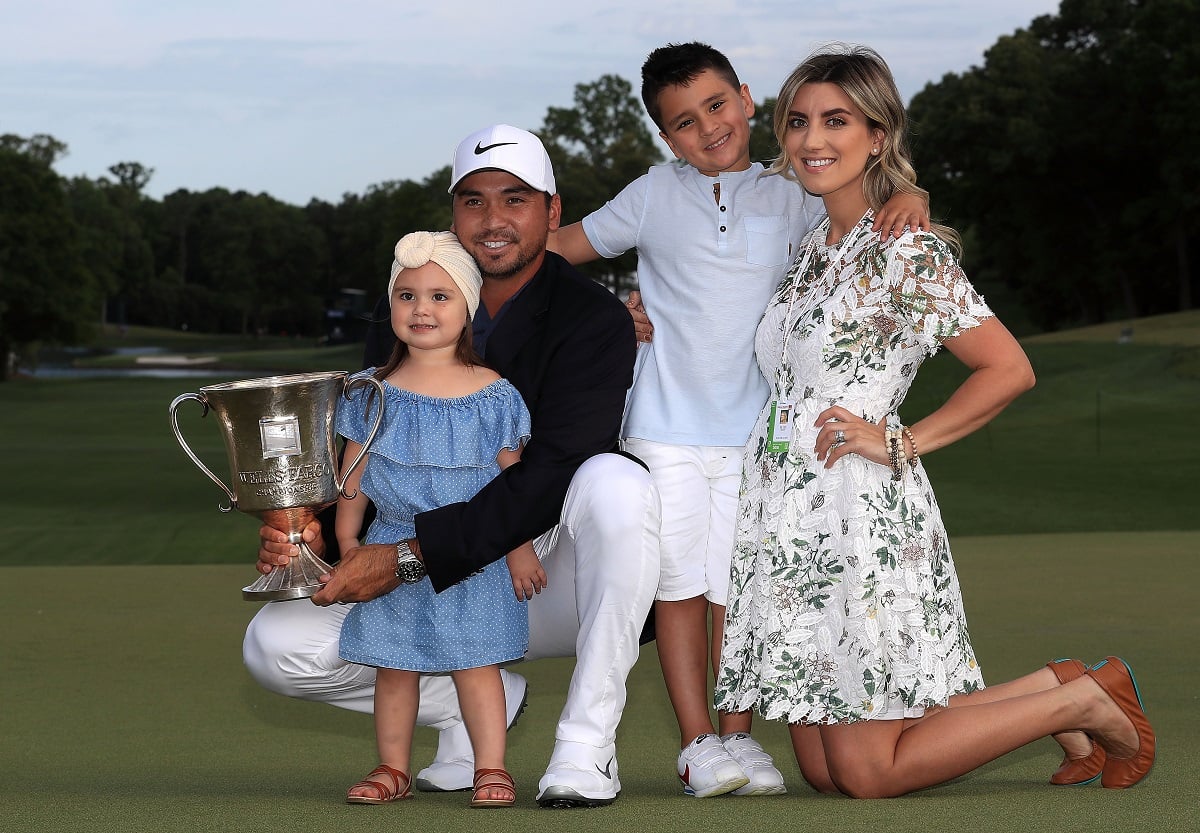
(580, 775)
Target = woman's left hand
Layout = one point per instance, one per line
(844, 433)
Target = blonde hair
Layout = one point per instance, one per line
(860, 73)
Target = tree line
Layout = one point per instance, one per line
(1064, 160)
(1067, 160)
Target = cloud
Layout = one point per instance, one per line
(303, 99)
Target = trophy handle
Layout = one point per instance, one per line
(358, 383)
(188, 450)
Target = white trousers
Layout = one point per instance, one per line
(602, 567)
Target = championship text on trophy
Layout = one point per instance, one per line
(279, 438)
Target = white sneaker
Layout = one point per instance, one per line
(579, 775)
(706, 769)
(765, 779)
(453, 767)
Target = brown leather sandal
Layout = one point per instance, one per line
(1075, 772)
(493, 779)
(400, 788)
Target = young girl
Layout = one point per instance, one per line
(845, 616)
(449, 426)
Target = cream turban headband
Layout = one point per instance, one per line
(442, 247)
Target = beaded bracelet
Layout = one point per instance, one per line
(915, 458)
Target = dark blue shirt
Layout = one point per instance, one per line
(483, 324)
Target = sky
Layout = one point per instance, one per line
(306, 99)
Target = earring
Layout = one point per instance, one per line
(875, 150)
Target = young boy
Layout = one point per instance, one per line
(714, 237)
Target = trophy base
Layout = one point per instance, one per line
(299, 579)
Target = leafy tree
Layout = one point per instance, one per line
(361, 234)
(980, 141)
(1064, 159)
(132, 176)
(1066, 156)
(241, 262)
(46, 293)
(112, 218)
(41, 148)
(363, 230)
(763, 147)
(598, 147)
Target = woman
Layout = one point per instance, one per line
(845, 616)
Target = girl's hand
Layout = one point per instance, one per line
(528, 577)
(844, 433)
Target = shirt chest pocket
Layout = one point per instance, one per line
(767, 240)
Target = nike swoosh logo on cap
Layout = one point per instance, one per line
(480, 149)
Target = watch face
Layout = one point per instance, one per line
(410, 572)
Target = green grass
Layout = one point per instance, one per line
(1104, 442)
(94, 475)
(111, 337)
(109, 341)
(268, 354)
(1176, 328)
(124, 706)
(268, 360)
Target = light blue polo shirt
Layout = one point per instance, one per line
(706, 270)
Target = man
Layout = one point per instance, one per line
(568, 346)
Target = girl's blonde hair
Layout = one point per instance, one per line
(860, 73)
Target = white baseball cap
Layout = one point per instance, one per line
(503, 147)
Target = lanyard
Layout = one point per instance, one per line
(835, 260)
(779, 423)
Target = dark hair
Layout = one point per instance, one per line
(677, 65)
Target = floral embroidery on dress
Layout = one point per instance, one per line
(844, 604)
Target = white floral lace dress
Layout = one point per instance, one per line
(843, 601)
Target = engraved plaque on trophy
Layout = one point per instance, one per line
(282, 451)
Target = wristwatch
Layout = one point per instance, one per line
(408, 568)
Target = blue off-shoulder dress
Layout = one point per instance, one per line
(430, 452)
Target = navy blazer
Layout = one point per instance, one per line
(567, 345)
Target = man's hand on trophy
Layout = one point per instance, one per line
(274, 549)
(364, 573)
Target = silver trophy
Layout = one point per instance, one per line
(280, 441)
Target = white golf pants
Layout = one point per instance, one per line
(602, 566)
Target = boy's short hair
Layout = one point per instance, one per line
(677, 65)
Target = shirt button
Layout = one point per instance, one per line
(722, 228)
